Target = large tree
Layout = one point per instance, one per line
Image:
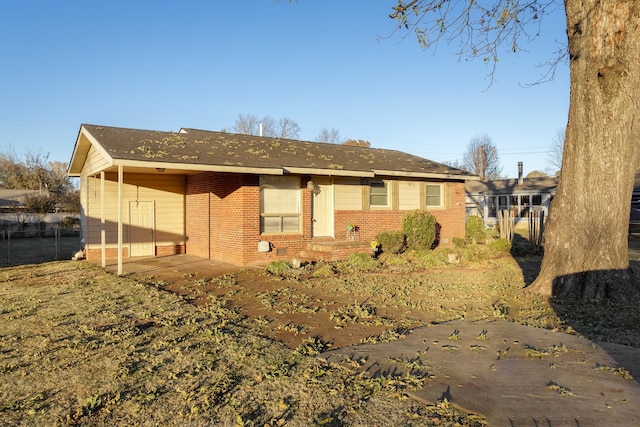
(481, 158)
(33, 171)
(586, 246)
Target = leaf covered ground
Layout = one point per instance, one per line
(80, 346)
(83, 347)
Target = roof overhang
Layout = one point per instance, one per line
(193, 168)
(329, 172)
(81, 151)
(432, 175)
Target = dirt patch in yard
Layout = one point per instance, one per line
(294, 310)
(342, 304)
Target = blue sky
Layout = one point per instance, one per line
(165, 65)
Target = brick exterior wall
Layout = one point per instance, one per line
(170, 250)
(235, 217)
(452, 220)
(112, 253)
(223, 220)
(197, 215)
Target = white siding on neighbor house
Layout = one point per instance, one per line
(348, 194)
(167, 193)
(409, 195)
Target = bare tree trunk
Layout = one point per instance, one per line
(586, 246)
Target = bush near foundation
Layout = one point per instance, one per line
(392, 242)
(419, 227)
(475, 232)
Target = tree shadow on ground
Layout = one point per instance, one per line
(613, 325)
(610, 324)
(603, 319)
(527, 258)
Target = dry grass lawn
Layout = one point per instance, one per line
(83, 347)
(79, 346)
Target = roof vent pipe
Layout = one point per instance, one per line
(260, 126)
(519, 173)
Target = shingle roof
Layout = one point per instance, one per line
(200, 147)
(508, 186)
(13, 198)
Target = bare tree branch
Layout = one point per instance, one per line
(331, 136)
(479, 28)
(249, 124)
(482, 159)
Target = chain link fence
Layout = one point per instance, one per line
(36, 242)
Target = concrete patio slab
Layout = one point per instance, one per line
(511, 374)
(171, 266)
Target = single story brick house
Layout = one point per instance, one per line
(247, 200)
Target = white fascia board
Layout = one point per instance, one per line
(425, 175)
(97, 145)
(328, 172)
(198, 167)
(82, 149)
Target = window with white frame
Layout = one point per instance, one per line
(525, 205)
(434, 195)
(279, 204)
(378, 194)
(536, 201)
(496, 204)
(521, 204)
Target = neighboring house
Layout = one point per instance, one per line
(12, 201)
(246, 199)
(486, 198)
(518, 195)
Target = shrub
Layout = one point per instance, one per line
(475, 232)
(323, 269)
(420, 228)
(278, 267)
(69, 221)
(501, 245)
(359, 261)
(392, 242)
(431, 259)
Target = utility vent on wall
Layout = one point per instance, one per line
(264, 246)
(281, 251)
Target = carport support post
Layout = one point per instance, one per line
(103, 237)
(120, 177)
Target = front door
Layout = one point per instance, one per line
(322, 207)
(141, 228)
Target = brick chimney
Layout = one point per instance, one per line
(520, 173)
